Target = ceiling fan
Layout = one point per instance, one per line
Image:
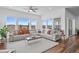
(31, 9)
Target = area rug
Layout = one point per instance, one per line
(37, 47)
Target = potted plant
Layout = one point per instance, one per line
(77, 31)
(3, 33)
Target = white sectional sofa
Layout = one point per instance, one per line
(20, 37)
(53, 36)
(13, 37)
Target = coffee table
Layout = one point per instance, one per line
(32, 39)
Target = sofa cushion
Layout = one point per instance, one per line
(49, 32)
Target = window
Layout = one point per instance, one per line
(44, 24)
(49, 24)
(33, 24)
(11, 22)
(23, 22)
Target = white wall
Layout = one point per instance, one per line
(71, 16)
(56, 13)
(77, 22)
(4, 12)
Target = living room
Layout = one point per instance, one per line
(36, 29)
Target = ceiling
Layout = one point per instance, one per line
(74, 10)
(41, 9)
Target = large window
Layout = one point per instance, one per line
(44, 24)
(49, 23)
(11, 22)
(33, 24)
(23, 22)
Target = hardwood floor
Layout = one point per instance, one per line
(70, 45)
